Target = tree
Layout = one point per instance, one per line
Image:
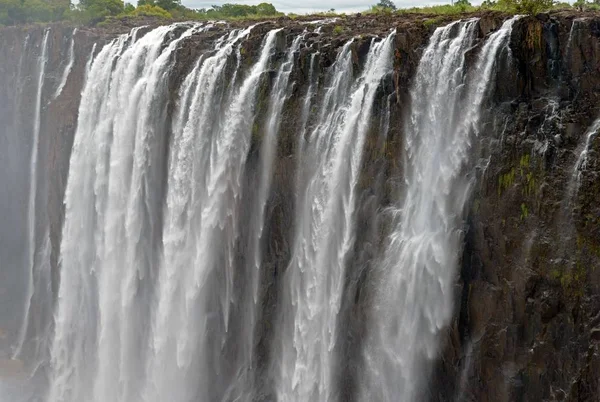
(152, 11)
(164, 4)
(463, 4)
(24, 11)
(530, 7)
(386, 4)
(266, 9)
(99, 9)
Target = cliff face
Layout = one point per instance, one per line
(20, 51)
(526, 322)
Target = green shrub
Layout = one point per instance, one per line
(147, 10)
(445, 9)
(531, 7)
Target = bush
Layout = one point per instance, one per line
(147, 10)
(386, 5)
(531, 7)
(164, 4)
(102, 8)
(445, 9)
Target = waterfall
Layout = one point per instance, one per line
(108, 252)
(196, 125)
(324, 228)
(133, 313)
(32, 261)
(201, 225)
(582, 159)
(418, 268)
(218, 242)
(68, 67)
(279, 94)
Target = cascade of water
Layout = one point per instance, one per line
(88, 64)
(68, 67)
(324, 227)
(279, 94)
(575, 25)
(582, 160)
(40, 321)
(208, 152)
(417, 271)
(31, 214)
(301, 167)
(112, 197)
(201, 97)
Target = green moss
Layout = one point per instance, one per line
(506, 180)
(587, 247)
(526, 177)
(529, 187)
(524, 211)
(524, 163)
(338, 30)
(572, 282)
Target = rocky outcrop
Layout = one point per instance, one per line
(527, 301)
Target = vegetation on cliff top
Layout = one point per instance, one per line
(13, 12)
(508, 6)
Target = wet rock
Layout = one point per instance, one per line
(529, 287)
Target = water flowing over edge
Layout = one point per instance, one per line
(417, 271)
(314, 188)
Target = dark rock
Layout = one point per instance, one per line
(529, 283)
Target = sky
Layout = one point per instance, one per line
(307, 6)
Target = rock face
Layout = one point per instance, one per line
(527, 298)
(530, 298)
(20, 51)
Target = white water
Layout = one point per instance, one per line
(582, 160)
(138, 296)
(418, 269)
(31, 208)
(68, 67)
(159, 297)
(98, 349)
(575, 26)
(208, 154)
(279, 94)
(241, 389)
(324, 227)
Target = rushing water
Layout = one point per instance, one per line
(582, 160)
(173, 286)
(68, 66)
(419, 265)
(33, 185)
